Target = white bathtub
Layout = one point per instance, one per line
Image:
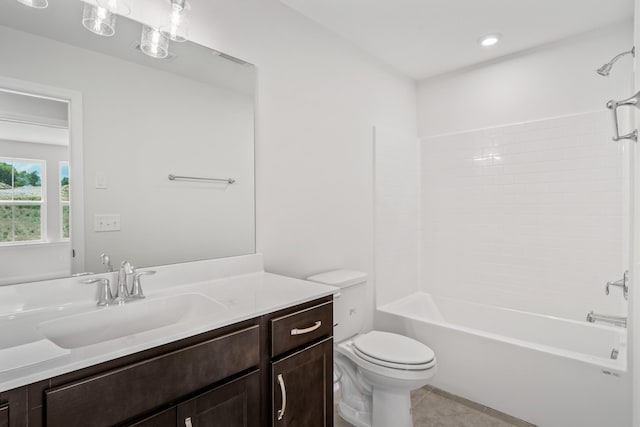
(549, 371)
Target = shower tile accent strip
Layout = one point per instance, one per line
(527, 216)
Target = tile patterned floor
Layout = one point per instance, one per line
(436, 408)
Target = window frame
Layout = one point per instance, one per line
(42, 203)
(62, 202)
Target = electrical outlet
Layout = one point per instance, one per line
(104, 222)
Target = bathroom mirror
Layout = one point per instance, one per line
(130, 121)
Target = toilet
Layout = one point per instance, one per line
(374, 371)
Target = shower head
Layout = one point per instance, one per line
(606, 68)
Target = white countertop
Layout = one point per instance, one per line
(237, 297)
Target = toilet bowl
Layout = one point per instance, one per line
(380, 377)
(375, 371)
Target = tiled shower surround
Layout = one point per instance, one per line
(527, 216)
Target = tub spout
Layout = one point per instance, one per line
(614, 320)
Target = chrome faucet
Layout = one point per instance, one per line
(122, 294)
(106, 261)
(614, 320)
(622, 283)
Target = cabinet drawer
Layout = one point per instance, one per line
(302, 327)
(121, 394)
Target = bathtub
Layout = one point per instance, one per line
(549, 371)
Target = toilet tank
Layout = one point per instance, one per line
(349, 306)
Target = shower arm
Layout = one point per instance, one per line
(613, 106)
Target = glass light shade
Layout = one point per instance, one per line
(176, 28)
(38, 4)
(179, 5)
(153, 43)
(99, 20)
(119, 7)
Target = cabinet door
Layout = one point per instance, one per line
(4, 415)
(163, 419)
(235, 404)
(302, 387)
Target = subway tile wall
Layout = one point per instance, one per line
(530, 216)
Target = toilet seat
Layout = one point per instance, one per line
(393, 351)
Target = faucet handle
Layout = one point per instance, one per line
(136, 291)
(105, 297)
(622, 283)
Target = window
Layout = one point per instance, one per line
(21, 200)
(64, 199)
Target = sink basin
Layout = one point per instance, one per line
(114, 322)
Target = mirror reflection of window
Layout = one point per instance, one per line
(34, 185)
(21, 200)
(64, 199)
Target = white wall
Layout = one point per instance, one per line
(553, 80)
(318, 100)
(397, 215)
(524, 201)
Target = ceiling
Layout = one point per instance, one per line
(423, 38)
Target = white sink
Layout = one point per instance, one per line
(132, 318)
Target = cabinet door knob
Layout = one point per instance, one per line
(283, 390)
(296, 331)
(187, 422)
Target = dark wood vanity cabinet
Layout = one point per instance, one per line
(302, 367)
(4, 415)
(226, 377)
(236, 404)
(303, 387)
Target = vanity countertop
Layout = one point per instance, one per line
(220, 301)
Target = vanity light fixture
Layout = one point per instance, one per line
(118, 7)
(153, 43)
(98, 20)
(489, 39)
(179, 5)
(36, 4)
(176, 28)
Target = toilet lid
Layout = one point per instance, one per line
(395, 350)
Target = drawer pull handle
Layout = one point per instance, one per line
(283, 390)
(187, 422)
(296, 331)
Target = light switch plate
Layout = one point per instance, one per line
(101, 180)
(103, 222)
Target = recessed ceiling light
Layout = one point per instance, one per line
(489, 39)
